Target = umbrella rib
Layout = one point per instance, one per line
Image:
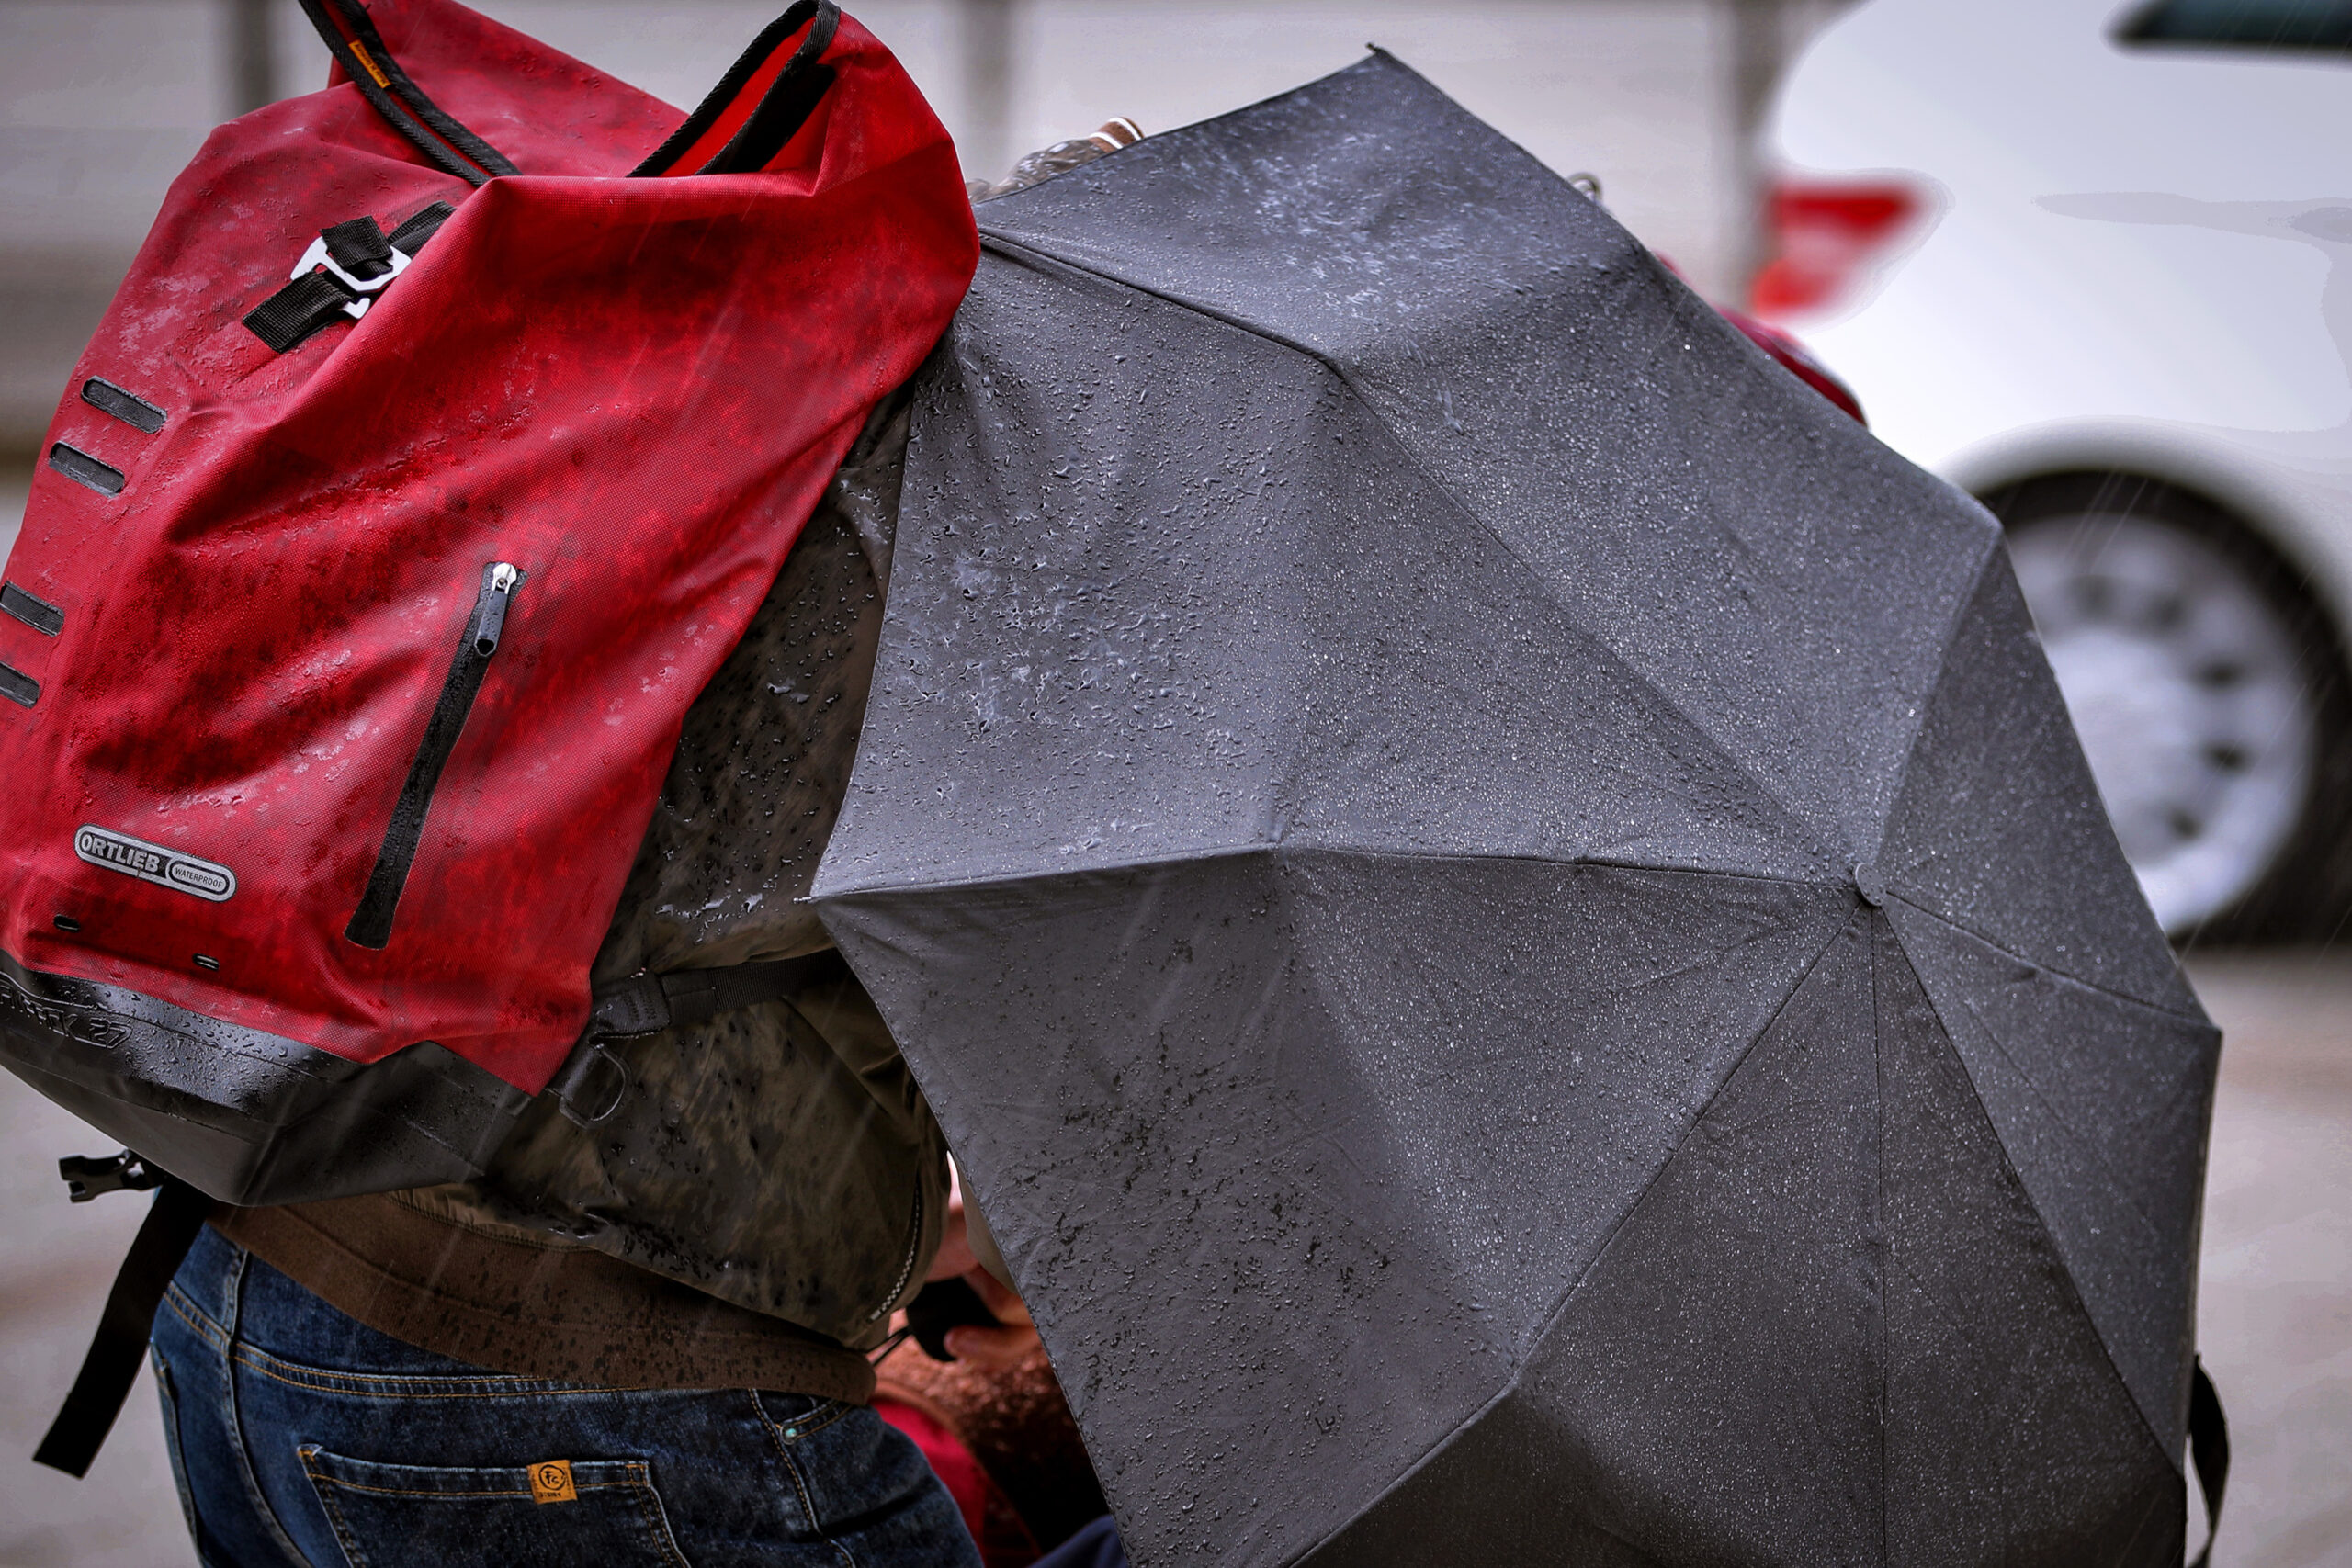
(2033, 1084)
(1950, 633)
(1268, 846)
(2183, 1014)
(2008, 1163)
(1552, 1317)
(1013, 249)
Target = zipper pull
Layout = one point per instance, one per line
(489, 615)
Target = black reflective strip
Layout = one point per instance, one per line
(783, 95)
(410, 236)
(371, 923)
(346, 30)
(19, 687)
(38, 614)
(84, 469)
(290, 316)
(358, 246)
(133, 409)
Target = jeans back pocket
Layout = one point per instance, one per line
(556, 1513)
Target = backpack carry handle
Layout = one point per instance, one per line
(747, 119)
(351, 36)
(758, 105)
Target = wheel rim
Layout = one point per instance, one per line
(2184, 683)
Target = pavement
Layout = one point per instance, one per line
(2275, 1312)
(2275, 1305)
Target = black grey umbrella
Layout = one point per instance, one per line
(1499, 901)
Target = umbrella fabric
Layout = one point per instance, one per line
(1500, 904)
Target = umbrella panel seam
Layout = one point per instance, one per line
(1277, 846)
(1994, 554)
(2009, 1168)
(2179, 1014)
(1014, 250)
(1552, 1316)
(2034, 1086)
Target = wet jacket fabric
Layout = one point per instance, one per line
(779, 1157)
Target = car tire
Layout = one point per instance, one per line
(2209, 693)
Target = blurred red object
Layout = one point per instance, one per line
(1825, 237)
(1797, 359)
(1004, 1541)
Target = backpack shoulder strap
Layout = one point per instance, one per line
(121, 1343)
(593, 1081)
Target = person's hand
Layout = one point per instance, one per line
(1015, 1338)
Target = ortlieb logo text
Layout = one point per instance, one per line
(152, 863)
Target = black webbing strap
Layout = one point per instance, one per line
(288, 318)
(785, 107)
(591, 1082)
(120, 1344)
(360, 247)
(698, 996)
(2208, 1448)
(346, 29)
(410, 236)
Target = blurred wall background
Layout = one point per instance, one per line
(103, 101)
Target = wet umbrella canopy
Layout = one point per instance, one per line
(1498, 902)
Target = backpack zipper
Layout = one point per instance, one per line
(371, 924)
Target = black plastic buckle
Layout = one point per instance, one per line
(87, 1177)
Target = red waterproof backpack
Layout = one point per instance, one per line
(433, 455)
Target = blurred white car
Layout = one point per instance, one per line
(2083, 258)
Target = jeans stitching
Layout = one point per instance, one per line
(800, 1483)
(232, 1295)
(342, 1535)
(199, 1322)
(657, 1518)
(169, 1397)
(637, 1482)
(374, 1385)
(433, 1492)
(808, 1425)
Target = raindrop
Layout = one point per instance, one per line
(2184, 825)
(2228, 759)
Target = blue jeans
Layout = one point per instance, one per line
(300, 1436)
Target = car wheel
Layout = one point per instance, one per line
(2201, 682)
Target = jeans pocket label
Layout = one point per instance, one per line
(551, 1482)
